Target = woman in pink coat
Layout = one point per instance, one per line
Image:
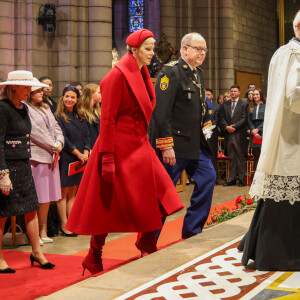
(124, 188)
(46, 142)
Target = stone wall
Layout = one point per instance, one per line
(240, 35)
(80, 49)
(213, 19)
(175, 21)
(255, 35)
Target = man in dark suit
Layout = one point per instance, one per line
(177, 128)
(233, 121)
(213, 141)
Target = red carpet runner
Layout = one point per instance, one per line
(33, 282)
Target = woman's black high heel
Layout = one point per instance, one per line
(7, 270)
(67, 234)
(46, 265)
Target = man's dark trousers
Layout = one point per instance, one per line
(204, 175)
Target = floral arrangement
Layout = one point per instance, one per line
(242, 204)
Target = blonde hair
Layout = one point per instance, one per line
(226, 95)
(39, 104)
(92, 112)
(61, 110)
(149, 40)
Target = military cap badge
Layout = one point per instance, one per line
(164, 83)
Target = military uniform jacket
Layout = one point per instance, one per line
(180, 108)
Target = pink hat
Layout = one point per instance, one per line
(136, 38)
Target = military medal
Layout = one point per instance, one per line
(198, 85)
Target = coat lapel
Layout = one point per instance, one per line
(140, 84)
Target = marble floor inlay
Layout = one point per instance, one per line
(219, 275)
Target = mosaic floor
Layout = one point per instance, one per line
(219, 275)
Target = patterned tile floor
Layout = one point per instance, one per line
(219, 275)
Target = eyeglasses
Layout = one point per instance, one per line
(198, 49)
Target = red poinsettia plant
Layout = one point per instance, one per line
(242, 205)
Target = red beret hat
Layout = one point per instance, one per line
(136, 38)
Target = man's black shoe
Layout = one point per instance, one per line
(229, 183)
(241, 183)
(187, 235)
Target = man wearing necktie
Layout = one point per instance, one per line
(177, 127)
(233, 120)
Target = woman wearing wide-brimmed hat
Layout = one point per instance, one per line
(17, 192)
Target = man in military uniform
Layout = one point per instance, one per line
(178, 126)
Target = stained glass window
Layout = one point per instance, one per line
(136, 14)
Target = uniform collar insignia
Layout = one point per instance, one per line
(172, 63)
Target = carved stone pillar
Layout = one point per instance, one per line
(226, 42)
(168, 20)
(100, 39)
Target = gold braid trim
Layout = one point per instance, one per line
(164, 142)
(208, 123)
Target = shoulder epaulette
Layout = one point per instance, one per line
(172, 63)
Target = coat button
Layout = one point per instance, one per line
(178, 131)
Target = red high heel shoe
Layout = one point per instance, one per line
(146, 242)
(93, 260)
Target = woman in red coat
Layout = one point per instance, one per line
(124, 188)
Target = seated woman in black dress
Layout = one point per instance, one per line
(17, 192)
(71, 118)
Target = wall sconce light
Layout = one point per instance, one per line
(48, 18)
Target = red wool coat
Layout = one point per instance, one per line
(141, 191)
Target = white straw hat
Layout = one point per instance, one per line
(37, 86)
(21, 77)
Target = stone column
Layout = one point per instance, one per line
(152, 17)
(16, 26)
(205, 16)
(100, 39)
(40, 43)
(168, 20)
(69, 47)
(7, 39)
(226, 63)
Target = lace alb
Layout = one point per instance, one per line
(277, 187)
